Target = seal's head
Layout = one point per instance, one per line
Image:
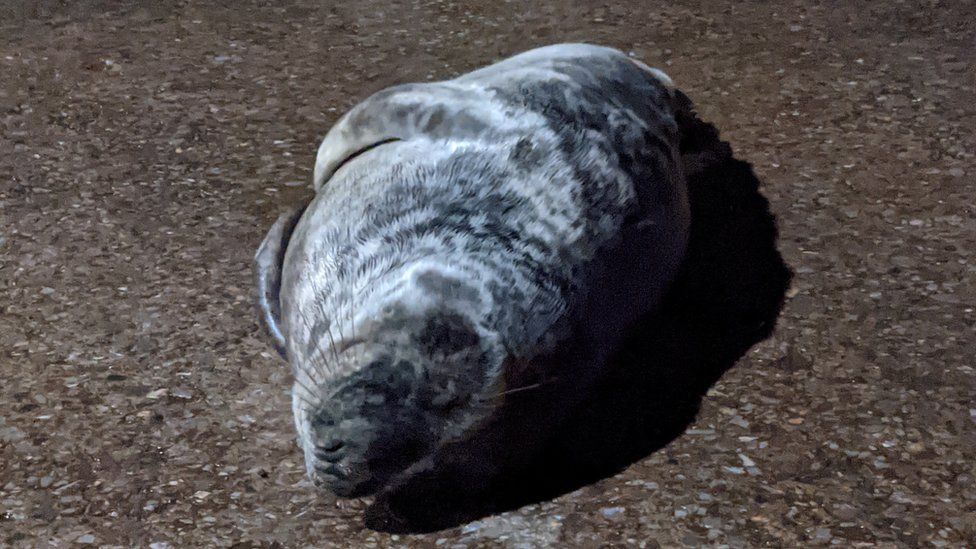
(404, 384)
(385, 381)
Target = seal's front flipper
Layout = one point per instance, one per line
(433, 495)
(267, 271)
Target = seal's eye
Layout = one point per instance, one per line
(382, 381)
(447, 334)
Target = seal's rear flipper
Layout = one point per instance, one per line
(267, 271)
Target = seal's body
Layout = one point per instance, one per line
(470, 239)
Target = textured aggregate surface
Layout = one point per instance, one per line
(145, 147)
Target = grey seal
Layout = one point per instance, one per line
(469, 240)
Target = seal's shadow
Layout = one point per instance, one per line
(726, 298)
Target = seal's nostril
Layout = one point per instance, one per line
(330, 451)
(334, 447)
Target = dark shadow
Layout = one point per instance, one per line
(726, 299)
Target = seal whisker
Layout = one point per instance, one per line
(316, 383)
(353, 313)
(352, 298)
(308, 373)
(335, 352)
(298, 379)
(306, 364)
(521, 389)
(339, 321)
(310, 404)
(303, 365)
(332, 341)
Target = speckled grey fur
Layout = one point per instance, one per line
(538, 199)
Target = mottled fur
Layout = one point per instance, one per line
(725, 298)
(532, 207)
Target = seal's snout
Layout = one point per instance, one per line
(336, 461)
(369, 430)
(412, 381)
(330, 442)
(355, 464)
(330, 449)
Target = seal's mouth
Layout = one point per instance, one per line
(330, 470)
(339, 476)
(345, 475)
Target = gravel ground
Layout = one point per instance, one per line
(147, 146)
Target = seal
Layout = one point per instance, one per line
(470, 240)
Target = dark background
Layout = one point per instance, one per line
(146, 147)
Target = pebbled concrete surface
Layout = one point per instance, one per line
(145, 147)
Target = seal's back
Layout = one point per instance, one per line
(538, 163)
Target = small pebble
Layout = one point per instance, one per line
(610, 512)
(738, 421)
(157, 394)
(180, 392)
